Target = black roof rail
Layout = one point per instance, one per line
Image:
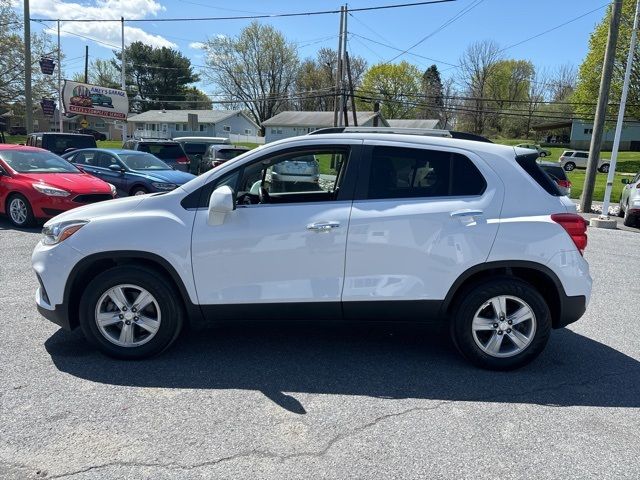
(405, 131)
(469, 136)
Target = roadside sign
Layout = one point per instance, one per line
(86, 99)
(84, 123)
(48, 106)
(47, 66)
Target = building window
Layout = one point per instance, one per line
(226, 128)
(248, 131)
(203, 128)
(588, 131)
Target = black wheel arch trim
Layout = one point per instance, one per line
(121, 255)
(571, 307)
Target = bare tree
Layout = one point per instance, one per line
(256, 69)
(539, 87)
(477, 65)
(562, 82)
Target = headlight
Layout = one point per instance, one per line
(58, 232)
(49, 190)
(164, 186)
(114, 192)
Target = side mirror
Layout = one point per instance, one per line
(222, 201)
(116, 168)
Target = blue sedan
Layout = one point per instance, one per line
(130, 171)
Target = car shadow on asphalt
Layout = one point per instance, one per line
(376, 361)
(5, 224)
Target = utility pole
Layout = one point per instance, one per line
(86, 64)
(353, 98)
(60, 127)
(336, 108)
(343, 101)
(122, 76)
(28, 101)
(601, 108)
(623, 103)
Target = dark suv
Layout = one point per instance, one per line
(168, 151)
(60, 143)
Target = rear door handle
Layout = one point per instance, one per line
(323, 226)
(466, 212)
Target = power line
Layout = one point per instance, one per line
(400, 49)
(245, 17)
(457, 16)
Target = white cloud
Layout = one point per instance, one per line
(106, 32)
(197, 45)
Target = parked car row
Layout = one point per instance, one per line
(51, 174)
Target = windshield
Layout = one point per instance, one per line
(229, 153)
(58, 143)
(195, 148)
(32, 162)
(143, 161)
(164, 151)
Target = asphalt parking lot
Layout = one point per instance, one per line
(278, 401)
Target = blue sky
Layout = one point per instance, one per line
(504, 21)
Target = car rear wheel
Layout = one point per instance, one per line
(130, 312)
(604, 168)
(19, 211)
(569, 166)
(501, 324)
(543, 154)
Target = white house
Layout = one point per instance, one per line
(291, 124)
(234, 124)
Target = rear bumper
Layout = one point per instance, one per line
(571, 310)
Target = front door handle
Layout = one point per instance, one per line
(466, 212)
(323, 226)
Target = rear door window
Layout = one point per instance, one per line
(411, 172)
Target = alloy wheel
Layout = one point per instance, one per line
(18, 211)
(128, 315)
(504, 326)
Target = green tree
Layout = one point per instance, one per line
(12, 60)
(256, 69)
(156, 77)
(196, 100)
(590, 70)
(432, 89)
(396, 86)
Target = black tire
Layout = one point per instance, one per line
(138, 191)
(620, 210)
(29, 220)
(569, 166)
(543, 154)
(604, 168)
(472, 299)
(170, 307)
(628, 220)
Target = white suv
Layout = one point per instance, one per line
(412, 227)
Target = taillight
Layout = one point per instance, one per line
(564, 183)
(575, 226)
(183, 161)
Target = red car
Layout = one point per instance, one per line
(37, 184)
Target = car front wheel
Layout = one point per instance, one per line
(19, 211)
(604, 168)
(501, 324)
(130, 312)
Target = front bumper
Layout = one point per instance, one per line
(52, 265)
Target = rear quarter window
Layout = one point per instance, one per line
(418, 173)
(530, 165)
